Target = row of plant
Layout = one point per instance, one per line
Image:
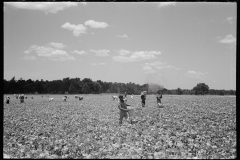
(186, 127)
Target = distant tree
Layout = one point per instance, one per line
(60, 92)
(179, 91)
(172, 91)
(221, 92)
(65, 84)
(114, 88)
(144, 87)
(231, 92)
(159, 91)
(201, 89)
(6, 86)
(97, 87)
(39, 86)
(13, 87)
(27, 88)
(87, 80)
(164, 91)
(74, 87)
(88, 86)
(86, 89)
(212, 91)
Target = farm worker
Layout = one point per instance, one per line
(80, 98)
(65, 98)
(7, 99)
(123, 109)
(143, 97)
(21, 98)
(159, 97)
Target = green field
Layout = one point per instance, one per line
(186, 127)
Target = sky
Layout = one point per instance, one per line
(174, 44)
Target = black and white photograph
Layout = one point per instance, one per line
(119, 80)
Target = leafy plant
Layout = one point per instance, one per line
(186, 127)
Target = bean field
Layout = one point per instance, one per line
(187, 126)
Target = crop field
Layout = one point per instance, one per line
(188, 126)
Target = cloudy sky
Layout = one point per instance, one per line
(171, 44)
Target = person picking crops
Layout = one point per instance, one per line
(21, 98)
(7, 99)
(143, 97)
(123, 110)
(159, 97)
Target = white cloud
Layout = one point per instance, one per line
(94, 64)
(123, 52)
(157, 65)
(148, 69)
(164, 4)
(79, 52)
(230, 20)
(57, 45)
(127, 56)
(52, 7)
(77, 29)
(151, 71)
(48, 52)
(29, 57)
(167, 67)
(122, 36)
(101, 52)
(53, 53)
(123, 59)
(94, 24)
(32, 48)
(194, 74)
(229, 39)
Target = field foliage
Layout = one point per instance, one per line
(186, 127)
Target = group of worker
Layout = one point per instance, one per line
(122, 104)
(124, 111)
(22, 97)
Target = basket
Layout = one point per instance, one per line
(131, 111)
(160, 105)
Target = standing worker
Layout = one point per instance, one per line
(21, 98)
(123, 110)
(143, 97)
(7, 99)
(65, 98)
(159, 97)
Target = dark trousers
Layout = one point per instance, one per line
(143, 103)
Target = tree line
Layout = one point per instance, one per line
(88, 86)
